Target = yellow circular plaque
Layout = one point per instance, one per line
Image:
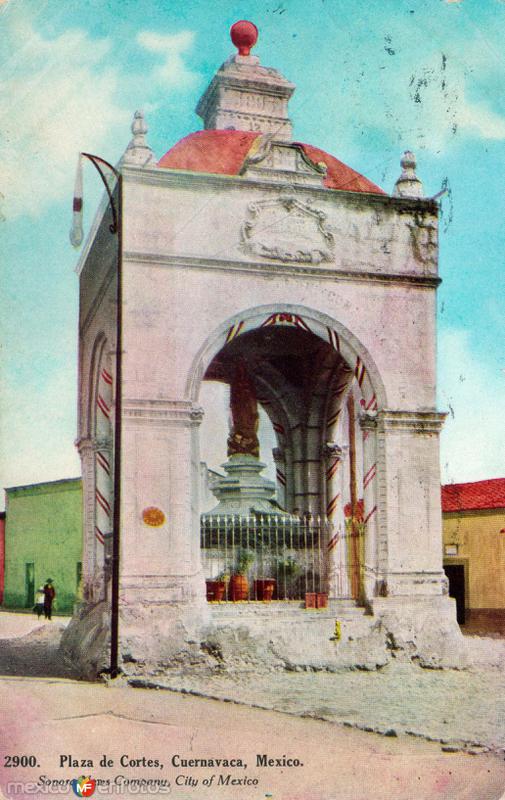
(154, 517)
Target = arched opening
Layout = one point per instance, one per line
(306, 533)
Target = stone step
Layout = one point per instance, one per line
(292, 610)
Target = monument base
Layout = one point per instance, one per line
(254, 636)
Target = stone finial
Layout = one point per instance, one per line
(244, 35)
(138, 151)
(408, 184)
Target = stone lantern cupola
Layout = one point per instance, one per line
(245, 96)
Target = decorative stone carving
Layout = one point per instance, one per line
(424, 239)
(282, 162)
(278, 455)
(286, 229)
(332, 451)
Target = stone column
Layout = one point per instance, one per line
(298, 462)
(104, 496)
(280, 473)
(336, 545)
(368, 425)
(86, 449)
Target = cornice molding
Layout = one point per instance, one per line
(280, 268)
(161, 176)
(416, 421)
(162, 412)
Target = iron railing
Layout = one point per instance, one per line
(282, 557)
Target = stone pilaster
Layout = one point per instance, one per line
(336, 545)
(408, 503)
(368, 424)
(86, 449)
(280, 472)
(160, 470)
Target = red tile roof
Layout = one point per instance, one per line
(473, 496)
(224, 152)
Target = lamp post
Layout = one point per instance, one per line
(76, 239)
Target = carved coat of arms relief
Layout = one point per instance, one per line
(286, 229)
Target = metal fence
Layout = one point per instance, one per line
(274, 557)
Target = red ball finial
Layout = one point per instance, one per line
(244, 35)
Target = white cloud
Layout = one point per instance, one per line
(55, 102)
(472, 441)
(173, 72)
(485, 122)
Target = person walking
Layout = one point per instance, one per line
(49, 595)
(38, 608)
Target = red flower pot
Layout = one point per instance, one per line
(239, 587)
(264, 588)
(215, 590)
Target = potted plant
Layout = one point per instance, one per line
(239, 583)
(287, 571)
(216, 587)
(264, 588)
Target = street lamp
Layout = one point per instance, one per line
(76, 237)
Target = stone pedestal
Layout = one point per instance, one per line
(243, 491)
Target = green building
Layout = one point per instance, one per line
(43, 539)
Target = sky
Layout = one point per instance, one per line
(373, 79)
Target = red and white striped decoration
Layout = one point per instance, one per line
(332, 506)
(370, 514)
(359, 371)
(285, 318)
(99, 535)
(107, 377)
(332, 543)
(103, 460)
(370, 475)
(333, 339)
(103, 502)
(102, 405)
(234, 330)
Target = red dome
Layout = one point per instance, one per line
(224, 152)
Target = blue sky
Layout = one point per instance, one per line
(373, 79)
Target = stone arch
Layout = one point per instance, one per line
(345, 367)
(87, 427)
(316, 322)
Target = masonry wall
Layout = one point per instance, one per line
(481, 549)
(43, 527)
